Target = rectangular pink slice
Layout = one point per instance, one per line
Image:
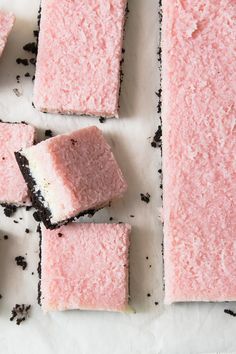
(85, 266)
(6, 24)
(78, 63)
(71, 174)
(13, 137)
(199, 149)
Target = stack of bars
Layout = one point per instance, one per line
(84, 266)
(199, 149)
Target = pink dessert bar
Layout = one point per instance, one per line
(6, 24)
(85, 266)
(199, 149)
(13, 136)
(70, 175)
(79, 54)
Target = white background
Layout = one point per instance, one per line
(182, 328)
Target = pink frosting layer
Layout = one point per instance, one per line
(85, 266)
(199, 149)
(6, 24)
(78, 63)
(13, 137)
(82, 167)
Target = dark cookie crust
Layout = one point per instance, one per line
(44, 213)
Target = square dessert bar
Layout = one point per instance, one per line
(79, 54)
(85, 266)
(6, 24)
(13, 137)
(70, 175)
(199, 149)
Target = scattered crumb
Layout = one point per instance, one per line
(60, 234)
(32, 273)
(230, 312)
(24, 62)
(36, 216)
(148, 295)
(111, 218)
(18, 79)
(36, 33)
(20, 313)
(32, 61)
(0, 296)
(156, 142)
(28, 208)
(145, 197)
(27, 231)
(102, 120)
(147, 257)
(156, 303)
(131, 216)
(15, 221)
(33, 78)
(48, 133)
(5, 237)
(17, 92)
(21, 262)
(150, 266)
(160, 171)
(9, 210)
(30, 47)
(27, 74)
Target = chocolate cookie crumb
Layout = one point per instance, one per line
(27, 74)
(33, 78)
(18, 79)
(9, 210)
(157, 141)
(48, 133)
(36, 216)
(131, 216)
(111, 218)
(156, 303)
(147, 257)
(24, 62)
(36, 33)
(148, 295)
(160, 171)
(145, 198)
(230, 312)
(16, 222)
(60, 234)
(20, 313)
(28, 208)
(5, 237)
(27, 231)
(31, 47)
(32, 273)
(0, 296)
(32, 61)
(17, 92)
(102, 120)
(21, 262)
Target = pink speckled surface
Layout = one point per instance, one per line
(6, 23)
(78, 63)
(86, 267)
(82, 167)
(13, 137)
(199, 149)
